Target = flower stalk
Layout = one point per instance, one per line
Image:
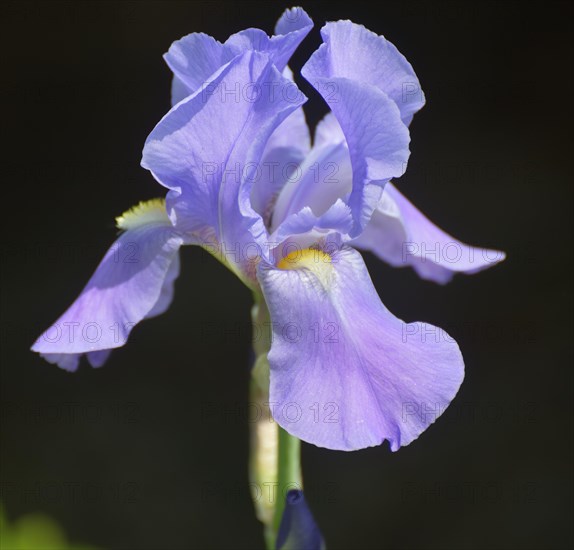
(289, 475)
(274, 462)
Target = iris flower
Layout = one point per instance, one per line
(288, 217)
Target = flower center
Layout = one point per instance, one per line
(144, 213)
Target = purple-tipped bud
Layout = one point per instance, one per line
(298, 530)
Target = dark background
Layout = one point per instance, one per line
(150, 452)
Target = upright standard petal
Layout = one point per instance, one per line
(317, 196)
(292, 27)
(293, 132)
(328, 131)
(195, 58)
(133, 281)
(210, 172)
(359, 54)
(285, 150)
(377, 138)
(346, 373)
(401, 235)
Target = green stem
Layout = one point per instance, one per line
(274, 464)
(288, 472)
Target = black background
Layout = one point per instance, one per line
(155, 443)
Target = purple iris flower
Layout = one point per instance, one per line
(287, 217)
